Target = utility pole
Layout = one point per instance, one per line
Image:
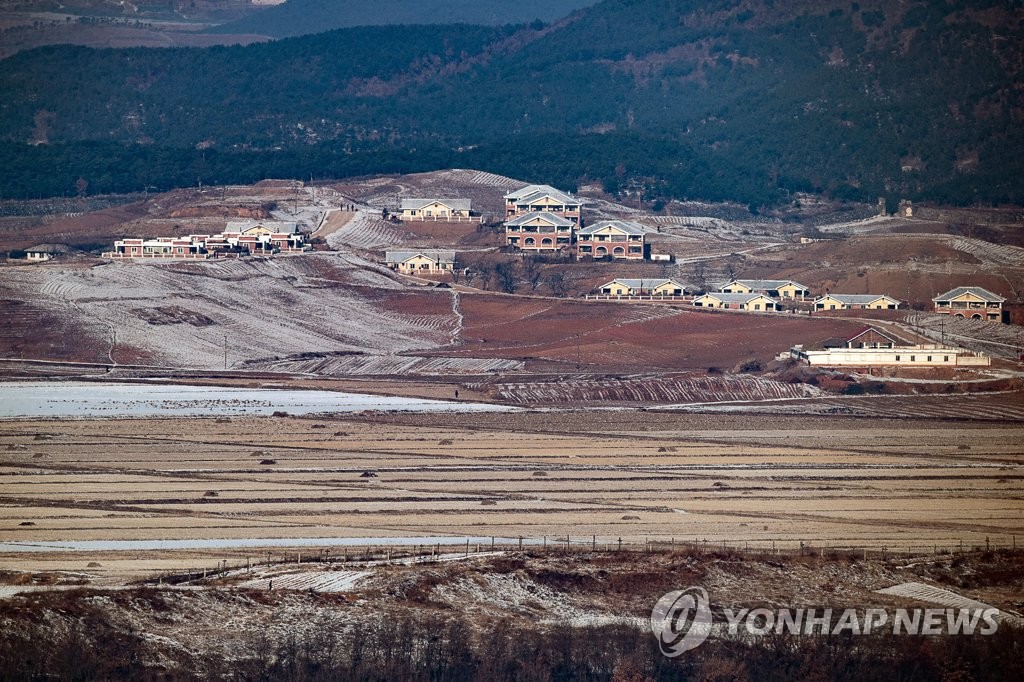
(225, 352)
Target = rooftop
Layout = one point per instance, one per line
(731, 298)
(550, 218)
(983, 294)
(454, 204)
(532, 193)
(444, 256)
(855, 298)
(652, 283)
(621, 225)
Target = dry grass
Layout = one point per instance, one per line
(632, 475)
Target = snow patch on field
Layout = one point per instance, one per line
(317, 581)
(367, 231)
(513, 593)
(266, 307)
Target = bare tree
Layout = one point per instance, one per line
(557, 283)
(486, 275)
(700, 275)
(532, 272)
(506, 274)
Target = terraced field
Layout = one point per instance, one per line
(699, 388)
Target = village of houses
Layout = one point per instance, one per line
(540, 220)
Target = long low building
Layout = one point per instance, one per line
(750, 301)
(900, 356)
(856, 302)
(775, 288)
(240, 238)
(656, 287)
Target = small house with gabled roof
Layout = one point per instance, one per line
(873, 337)
(855, 302)
(776, 288)
(618, 239)
(432, 262)
(435, 209)
(970, 302)
(755, 302)
(44, 252)
(657, 287)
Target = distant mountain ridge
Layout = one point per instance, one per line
(746, 99)
(302, 17)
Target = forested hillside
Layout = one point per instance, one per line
(743, 99)
(301, 17)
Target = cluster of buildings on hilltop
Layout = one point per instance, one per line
(767, 295)
(246, 237)
(762, 295)
(542, 219)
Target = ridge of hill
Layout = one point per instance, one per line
(301, 17)
(742, 99)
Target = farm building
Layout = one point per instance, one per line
(435, 209)
(855, 301)
(970, 302)
(540, 232)
(734, 301)
(899, 356)
(642, 287)
(535, 198)
(776, 288)
(420, 262)
(615, 238)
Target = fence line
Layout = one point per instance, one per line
(372, 555)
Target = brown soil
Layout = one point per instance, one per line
(629, 337)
